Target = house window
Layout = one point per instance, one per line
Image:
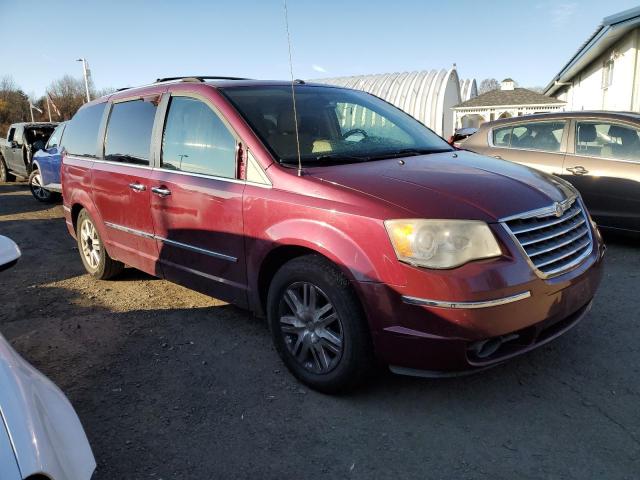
(607, 74)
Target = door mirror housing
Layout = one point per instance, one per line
(9, 253)
(14, 144)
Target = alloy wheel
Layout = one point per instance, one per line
(36, 187)
(311, 327)
(90, 243)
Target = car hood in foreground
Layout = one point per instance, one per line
(458, 185)
(43, 429)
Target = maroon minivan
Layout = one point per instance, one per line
(360, 234)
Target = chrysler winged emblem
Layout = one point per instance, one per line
(559, 209)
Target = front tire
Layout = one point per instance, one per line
(94, 255)
(5, 176)
(318, 326)
(38, 191)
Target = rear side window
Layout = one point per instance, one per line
(129, 130)
(543, 136)
(56, 137)
(82, 132)
(608, 140)
(196, 140)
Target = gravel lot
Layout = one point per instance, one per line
(171, 384)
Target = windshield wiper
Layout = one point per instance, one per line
(410, 152)
(327, 159)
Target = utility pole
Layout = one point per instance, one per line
(85, 72)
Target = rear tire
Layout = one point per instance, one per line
(94, 255)
(38, 191)
(318, 326)
(5, 176)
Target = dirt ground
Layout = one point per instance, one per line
(171, 384)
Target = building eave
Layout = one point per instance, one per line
(493, 107)
(611, 30)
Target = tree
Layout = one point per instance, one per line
(68, 94)
(487, 85)
(14, 104)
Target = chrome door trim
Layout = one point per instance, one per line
(212, 177)
(132, 231)
(204, 274)
(174, 243)
(195, 249)
(465, 305)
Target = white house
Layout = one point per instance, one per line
(604, 74)
(508, 101)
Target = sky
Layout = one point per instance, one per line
(132, 42)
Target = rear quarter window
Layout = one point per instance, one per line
(81, 136)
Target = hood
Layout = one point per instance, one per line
(42, 428)
(443, 185)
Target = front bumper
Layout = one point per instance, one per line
(489, 319)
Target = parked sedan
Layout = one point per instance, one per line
(44, 180)
(40, 434)
(598, 152)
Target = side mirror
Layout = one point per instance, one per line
(9, 253)
(14, 144)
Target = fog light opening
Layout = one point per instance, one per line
(485, 348)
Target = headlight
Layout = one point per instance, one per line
(441, 243)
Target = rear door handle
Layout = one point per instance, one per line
(138, 187)
(162, 191)
(498, 157)
(578, 170)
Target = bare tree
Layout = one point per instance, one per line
(488, 84)
(68, 95)
(14, 104)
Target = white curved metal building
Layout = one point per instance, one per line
(426, 95)
(468, 89)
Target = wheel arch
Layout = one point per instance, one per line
(285, 244)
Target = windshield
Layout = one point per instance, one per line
(335, 125)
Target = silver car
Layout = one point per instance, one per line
(40, 433)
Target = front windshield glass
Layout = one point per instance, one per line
(335, 125)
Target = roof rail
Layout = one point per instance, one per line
(196, 78)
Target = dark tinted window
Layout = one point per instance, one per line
(81, 137)
(196, 140)
(608, 140)
(545, 136)
(129, 132)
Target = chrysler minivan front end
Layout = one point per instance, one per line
(357, 231)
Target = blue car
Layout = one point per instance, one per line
(44, 180)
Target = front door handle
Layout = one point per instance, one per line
(578, 170)
(498, 157)
(138, 187)
(162, 191)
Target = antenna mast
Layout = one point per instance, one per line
(293, 92)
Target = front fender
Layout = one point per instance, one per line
(329, 241)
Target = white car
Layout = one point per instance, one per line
(40, 433)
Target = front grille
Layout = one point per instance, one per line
(554, 244)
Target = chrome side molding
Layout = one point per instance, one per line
(465, 305)
(174, 243)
